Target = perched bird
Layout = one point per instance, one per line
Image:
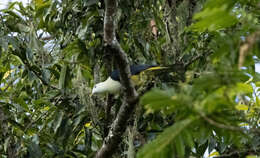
(112, 85)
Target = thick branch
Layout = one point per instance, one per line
(108, 61)
(109, 21)
(130, 95)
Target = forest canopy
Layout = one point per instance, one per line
(206, 104)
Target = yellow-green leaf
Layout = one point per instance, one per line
(46, 108)
(252, 156)
(7, 73)
(213, 154)
(242, 107)
(88, 124)
(244, 88)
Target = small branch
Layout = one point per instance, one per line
(168, 31)
(197, 58)
(193, 60)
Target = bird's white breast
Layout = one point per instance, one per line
(112, 86)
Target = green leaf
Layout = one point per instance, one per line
(34, 150)
(242, 107)
(180, 148)
(156, 100)
(252, 156)
(157, 147)
(74, 48)
(216, 15)
(187, 136)
(91, 2)
(257, 84)
(244, 88)
(41, 5)
(57, 121)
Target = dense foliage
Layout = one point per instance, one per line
(52, 53)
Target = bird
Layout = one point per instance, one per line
(112, 84)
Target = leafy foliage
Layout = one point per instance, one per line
(52, 52)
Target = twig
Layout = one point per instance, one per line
(168, 30)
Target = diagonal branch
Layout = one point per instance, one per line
(130, 95)
(195, 58)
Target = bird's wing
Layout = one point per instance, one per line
(136, 70)
(141, 73)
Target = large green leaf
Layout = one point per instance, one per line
(216, 15)
(171, 135)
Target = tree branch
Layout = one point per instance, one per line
(109, 64)
(195, 58)
(130, 95)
